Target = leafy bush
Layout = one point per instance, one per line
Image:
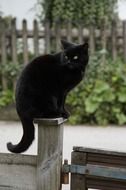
(10, 70)
(6, 97)
(101, 96)
(82, 10)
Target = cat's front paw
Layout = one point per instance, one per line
(65, 114)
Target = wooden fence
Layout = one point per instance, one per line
(16, 44)
(96, 169)
(89, 168)
(38, 172)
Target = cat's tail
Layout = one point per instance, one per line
(27, 138)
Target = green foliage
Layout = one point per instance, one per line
(6, 97)
(94, 11)
(10, 70)
(6, 20)
(101, 96)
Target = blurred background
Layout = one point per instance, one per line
(33, 27)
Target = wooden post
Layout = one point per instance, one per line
(14, 41)
(25, 43)
(14, 45)
(103, 39)
(91, 39)
(124, 41)
(69, 31)
(36, 42)
(80, 31)
(47, 37)
(3, 54)
(50, 145)
(114, 40)
(57, 32)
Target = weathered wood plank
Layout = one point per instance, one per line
(69, 31)
(92, 39)
(3, 53)
(103, 184)
(124, 41)
(18, 177)
(103, 40)
(98, 151)
(80, 36)
(14, 45)
(47, 37)
(17, 172)
(57, 29)
(78, 181)
(14, 41)
(114, 40)
(18, 159)
(35, 38)
(25, 41)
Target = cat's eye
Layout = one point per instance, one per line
(75, 57)
(66, 57)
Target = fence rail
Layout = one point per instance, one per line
(17, 45)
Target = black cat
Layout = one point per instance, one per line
(43, 85)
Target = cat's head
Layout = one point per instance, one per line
(74, 55)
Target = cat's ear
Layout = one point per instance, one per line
(66, 44)
(85, 47)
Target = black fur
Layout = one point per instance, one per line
(43, 86)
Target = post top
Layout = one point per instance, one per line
(49, 121)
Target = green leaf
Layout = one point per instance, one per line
(91, 105)
(121, 118)
(122, 95)
(108, 96)
(101, 86)
(116, 110)
(6, 97)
